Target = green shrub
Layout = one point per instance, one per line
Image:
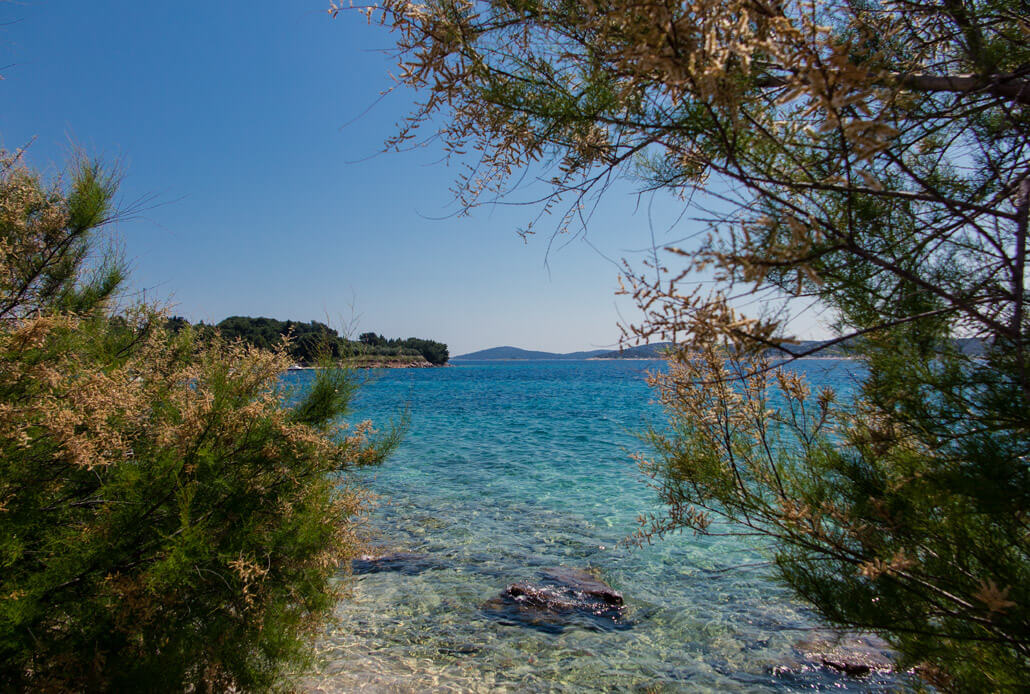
(167, 521)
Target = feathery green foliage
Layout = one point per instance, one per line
(869, 158)
(167, 519)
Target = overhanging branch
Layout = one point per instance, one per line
(1012, 86)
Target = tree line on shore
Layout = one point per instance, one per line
(307, 343)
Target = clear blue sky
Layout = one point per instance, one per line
(231, 115)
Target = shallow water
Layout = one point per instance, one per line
(513, 467)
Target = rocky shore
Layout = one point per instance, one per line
(372, 362)
(559, 598)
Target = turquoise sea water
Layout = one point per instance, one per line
(510, 468)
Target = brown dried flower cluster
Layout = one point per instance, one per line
(172, 515)
(785, 116)
(867, 159)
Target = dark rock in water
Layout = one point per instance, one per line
(585, 583)
(847, 653)
(564, 597)
(459, 650)
(407, 563)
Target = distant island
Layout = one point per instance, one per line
(657, 350)
(308, 341)
(517, 354)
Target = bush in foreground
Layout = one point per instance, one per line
(166, 520)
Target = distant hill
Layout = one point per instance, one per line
(970, 346)
(516, 354)
(656, 350)
(652, 351)
(967, 345)
(805, 346)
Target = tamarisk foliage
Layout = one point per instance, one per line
(867, 157)
(167, 521)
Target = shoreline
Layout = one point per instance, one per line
(508, 361)
(785, 359)
(375, 365)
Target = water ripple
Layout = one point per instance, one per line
(511, 468)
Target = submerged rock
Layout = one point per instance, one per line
(564, 597)
(584, 582)
(460, 649)
(847, 653)
(407, 563)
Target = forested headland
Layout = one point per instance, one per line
(307, 343)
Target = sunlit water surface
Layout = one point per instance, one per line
(509, 468)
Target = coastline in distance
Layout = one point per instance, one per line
(517, 354)
(969, 346)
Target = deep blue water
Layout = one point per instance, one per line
(509, 468)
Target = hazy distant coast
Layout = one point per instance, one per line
(811, 349)
(652, 351)
(518, 354)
